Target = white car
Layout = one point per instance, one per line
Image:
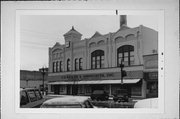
(147, 103)
(68, 102)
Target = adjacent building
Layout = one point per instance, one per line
(32, 79)
(81, 66)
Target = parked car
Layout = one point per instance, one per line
(30, 98)
(68, 102)
(121, 96)
(147, 103)
(99, 95)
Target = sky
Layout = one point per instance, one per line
(39, 32)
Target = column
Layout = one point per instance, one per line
(143, 89)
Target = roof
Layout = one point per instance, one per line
(66, 100)
(72, 31)
(96, 34)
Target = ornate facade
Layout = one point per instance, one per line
(80, 66)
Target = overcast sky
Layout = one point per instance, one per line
(38, 33)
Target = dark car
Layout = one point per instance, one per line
(30, 98)
(68, 102)
(99, 95)
(121, 95)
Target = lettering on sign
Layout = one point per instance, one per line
(79, 77)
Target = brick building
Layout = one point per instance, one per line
(82, 65)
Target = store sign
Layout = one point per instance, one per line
(87, 76)
(104, 76)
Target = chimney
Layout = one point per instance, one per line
(123, 20)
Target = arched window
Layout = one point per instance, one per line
(54, 66)
(60, 66)
(126, 54)
(80, 64)
(68, 65)
(57, 66)
(76, 64)
(97, 59)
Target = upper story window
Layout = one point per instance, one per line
(60, 66)
(80, 64)
(76, 64)
(54, 66)
(57, 66)
(97, 59)
(68, 65)
(126, 54)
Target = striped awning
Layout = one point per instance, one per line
(126, 81)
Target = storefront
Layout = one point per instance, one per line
(151, 75)
(85, 84)
(152, 84)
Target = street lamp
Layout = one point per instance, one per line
(43, 70)
(123, 72)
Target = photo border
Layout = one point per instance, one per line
(161, 78)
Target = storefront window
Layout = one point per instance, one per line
(136, 91)
(80, 89)
(62, 89)
(88, 89)
(152, 87)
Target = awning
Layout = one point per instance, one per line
(126, 81)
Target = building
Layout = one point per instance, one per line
(32, 79)
(80, 66)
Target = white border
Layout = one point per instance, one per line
(160, 13)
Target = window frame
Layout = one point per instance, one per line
(97, 59)
(124, 53)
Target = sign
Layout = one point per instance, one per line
(87, 76)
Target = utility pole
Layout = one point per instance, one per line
(43, 70)
(123, 72)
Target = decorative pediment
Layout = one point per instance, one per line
(72, 31)
(96, 34)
